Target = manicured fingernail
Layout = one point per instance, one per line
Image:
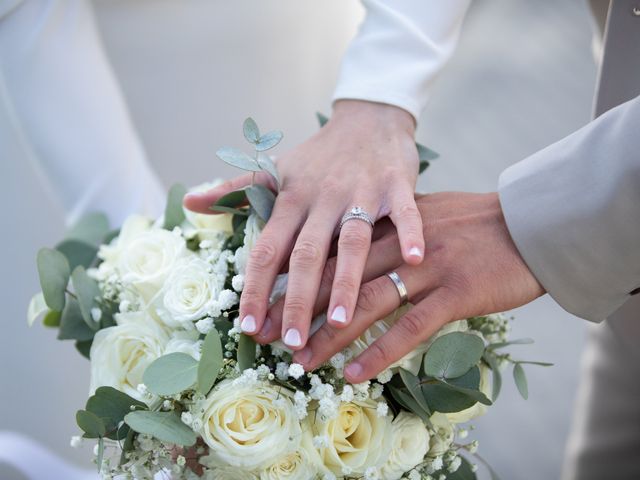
(353, 370)
(339, 314)
(266, 327)
(292, 338)
(248, 324)
(304, 355)
(194, 195)
(415, 252)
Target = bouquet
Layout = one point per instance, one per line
(176, 387)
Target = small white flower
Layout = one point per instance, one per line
(321, 441)
(227, 299)
(474, 467)
(187, 418)
(263, 371)
(347, 393)
(382, 410)
(76, 441)
(376, 391)
(197, 424)
(166, 405)
(237, 282)
(96, 314)
(436, 464)
(282, 371)
(414, 475)
(463, 433)
(346, 470)
(454, 465)
(384, 376)
(371, 473)
(205, 325)
(181, 460)
(473, 447)
(296, 370)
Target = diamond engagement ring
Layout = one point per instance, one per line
(400, 286)
(356, 213)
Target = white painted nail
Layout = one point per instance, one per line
(339, 314)
(292, 338)
(248, 324)
(415, 252)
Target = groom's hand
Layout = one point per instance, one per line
(364, 156)
(471, 267)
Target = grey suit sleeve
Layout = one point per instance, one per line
(573, 210)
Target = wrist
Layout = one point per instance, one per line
(374, 116)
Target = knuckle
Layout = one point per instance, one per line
(306, 254)
(412, 325)
(263, 255)
(368, 297)
(408, 211)
(330, 187)
(326, 336)
(295, 308)
(354, 239)
(328, 274)
(380, 353)
(289, 198)
(346, 283)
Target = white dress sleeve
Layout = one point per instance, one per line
(400, 48)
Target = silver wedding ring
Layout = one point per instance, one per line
(400, 286)
(356, 213)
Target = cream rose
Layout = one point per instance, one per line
(120, 354)
(207, 227)
(149, 258)
(229, 473)
(248, 426)
(442, 437)
(251, 233)
(185, 342)
(412, 360)
(188, 293)
(478, 408)
(358, 438)
(409, 445)
(110, 254)
(301, 464)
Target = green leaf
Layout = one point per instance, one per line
(90, 423)
(322, 119)
(171, 374)
(77, 253)
(519, 341)
(422, 166)
(408, 402)
(211, 361)
(442, 397)
(262, 200)
(413, 386)
(268, 166)
(234, 199)
(269, 140)
(90, 229)
(238, 158)
(246, 352)
(540, 364)
(521, 380)
(234, 211)
(464, 472)
(54, 272)
(87, 291)
(250, 130)
(100, 454)
(72, 325)
(174, 211)
(37, 308)
(425, 154)
(111, 406)
(477, 395)
(497, 375)
(127, 446)
(52, 319)
(452, 355)
(84, 348)
(165, 426)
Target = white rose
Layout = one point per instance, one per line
(207, 226)
(478, 408)
(185, 342)
(230, 473)
(358, 438)
(247, 426)
(413, 360)
(410, 443)
(442, 437)
(110, 254)
(251, 234)
(120, 354)
(302, 464)
(149, 258)
(188, 293)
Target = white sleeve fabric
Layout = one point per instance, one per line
(67, 110)
(400, 48)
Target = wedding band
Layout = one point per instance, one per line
(400, 286)
(356, 213)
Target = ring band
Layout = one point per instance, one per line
(400, 286)
(356, 213)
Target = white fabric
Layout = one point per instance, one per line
(67, 109)
(400, 48)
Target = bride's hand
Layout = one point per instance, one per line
(364, 156)
(471, 267)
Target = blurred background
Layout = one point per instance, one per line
(192, 70)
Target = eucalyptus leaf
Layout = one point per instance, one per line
(262, 200)
(52, 319)
(233, 211)
(78, 252)
(211, 361)
(72, 325)
(238, 158)
(426, 154)
(170, 374)
(54, 272)
(540, 364)
(233, 199)
(84, 348)
(422, 166)
(408, 402)
(477, 395)
(100, 455)
(37, 308)
(444, 398)
(111, 406)
(251, 130)
(269, 140)
(91, 229)
(322, 119)
(127, 446)
(521, 380)
(165, 426)
(452, 355)
(266, 163)
(174, 211)
(413, 386)
(497, 375)
(90, 424)
(518, 341)
(87, 291)
(246, 352)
